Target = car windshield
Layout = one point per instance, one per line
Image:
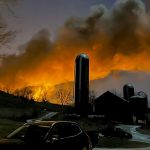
(29, 132)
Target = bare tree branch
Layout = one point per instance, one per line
(64, 96)
(6, 34)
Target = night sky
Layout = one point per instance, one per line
(33, 15)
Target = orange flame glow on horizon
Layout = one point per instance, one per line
(43, 80)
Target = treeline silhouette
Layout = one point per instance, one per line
(21, 107)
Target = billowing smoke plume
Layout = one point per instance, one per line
(115, 39)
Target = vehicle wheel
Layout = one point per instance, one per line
(84, 148)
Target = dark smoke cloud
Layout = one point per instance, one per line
(119, 30)
(21, 66)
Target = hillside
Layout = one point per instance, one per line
(19, 108)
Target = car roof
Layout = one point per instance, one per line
(48, 123)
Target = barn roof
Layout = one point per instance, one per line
(110, 94)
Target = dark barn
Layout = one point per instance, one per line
(113, 107)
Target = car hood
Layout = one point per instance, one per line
(7, 141)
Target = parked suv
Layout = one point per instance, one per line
(52, 134)
(115, 132)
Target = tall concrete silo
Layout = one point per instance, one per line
(82, 84)
(128, 91)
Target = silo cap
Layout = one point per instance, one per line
(83, 56)
(136, 97)
(128, 85)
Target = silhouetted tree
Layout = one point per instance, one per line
(44, 95)
(64, 96)
(6, 34)
(7, 89)
(25, 93)
(92, 97)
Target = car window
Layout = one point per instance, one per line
(73, 130)
(30, 133)
(36, 133)
(66, 130)
(18, 133)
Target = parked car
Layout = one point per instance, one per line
(94, 137)
(115, 132)
(52, 134)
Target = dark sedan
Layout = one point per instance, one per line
(52, 134)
